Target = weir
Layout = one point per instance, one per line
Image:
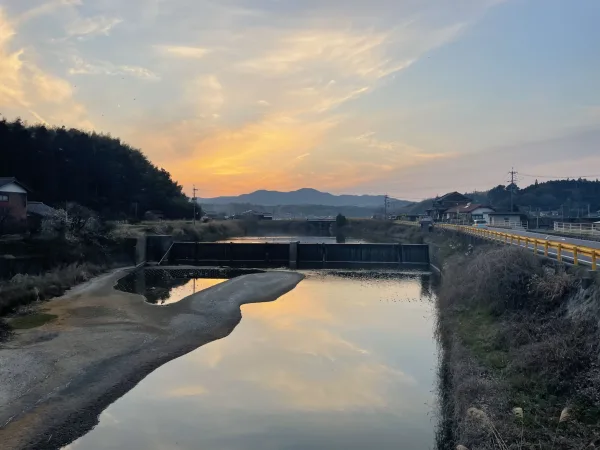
(294, 255)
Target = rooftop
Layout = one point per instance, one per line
(8, 180)
(464, 209)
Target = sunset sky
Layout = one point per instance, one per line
(407, 97)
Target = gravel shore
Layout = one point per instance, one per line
(56, 379)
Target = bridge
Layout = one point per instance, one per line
(323, 224)
(294, 255)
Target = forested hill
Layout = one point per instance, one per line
(97, 171)
(570, 197)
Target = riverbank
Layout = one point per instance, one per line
(520, 342)
(367, 229)
(57, 378)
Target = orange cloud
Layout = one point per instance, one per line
(30, 92)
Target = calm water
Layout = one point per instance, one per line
(301, 239)
(340, 362)
(160, 288)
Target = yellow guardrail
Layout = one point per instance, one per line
(537, 245)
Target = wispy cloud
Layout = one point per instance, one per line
(82, 67)
(284, 85)
(28, 91)
(181, 51)
(45, 8)
(86, 27)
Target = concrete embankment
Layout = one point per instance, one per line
(56, 379)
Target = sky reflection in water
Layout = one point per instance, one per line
(336, 363)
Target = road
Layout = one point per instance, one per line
(566, 254)
(552, 237)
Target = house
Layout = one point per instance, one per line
(13, 201)
(506, 219)
(468, 212)
(441, 204)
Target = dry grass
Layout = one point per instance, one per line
(497, 278)
(496, 441)
(24, 289)
(372, 230)
(519, 334)
(182, 230)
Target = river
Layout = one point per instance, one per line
(345, 360)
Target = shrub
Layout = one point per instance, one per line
(24, 289)
(496, 278)
(5, 330)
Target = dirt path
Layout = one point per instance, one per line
(56, 379)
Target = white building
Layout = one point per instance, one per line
(506, 219)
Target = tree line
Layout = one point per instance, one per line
(574, 198)
(96, 170)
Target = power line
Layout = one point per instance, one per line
(559, 178)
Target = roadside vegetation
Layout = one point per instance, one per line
(521, 343)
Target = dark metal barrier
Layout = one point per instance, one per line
(306, 256)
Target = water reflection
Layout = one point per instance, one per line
(339, 362)
(160, 288)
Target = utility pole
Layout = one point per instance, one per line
(513, 175)
(194, 201)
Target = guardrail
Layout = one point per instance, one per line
(577, 254)
(591, 229)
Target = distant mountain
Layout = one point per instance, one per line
(303, 197)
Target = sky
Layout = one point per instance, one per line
(412, 98)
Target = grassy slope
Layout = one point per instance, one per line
(518, 334)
